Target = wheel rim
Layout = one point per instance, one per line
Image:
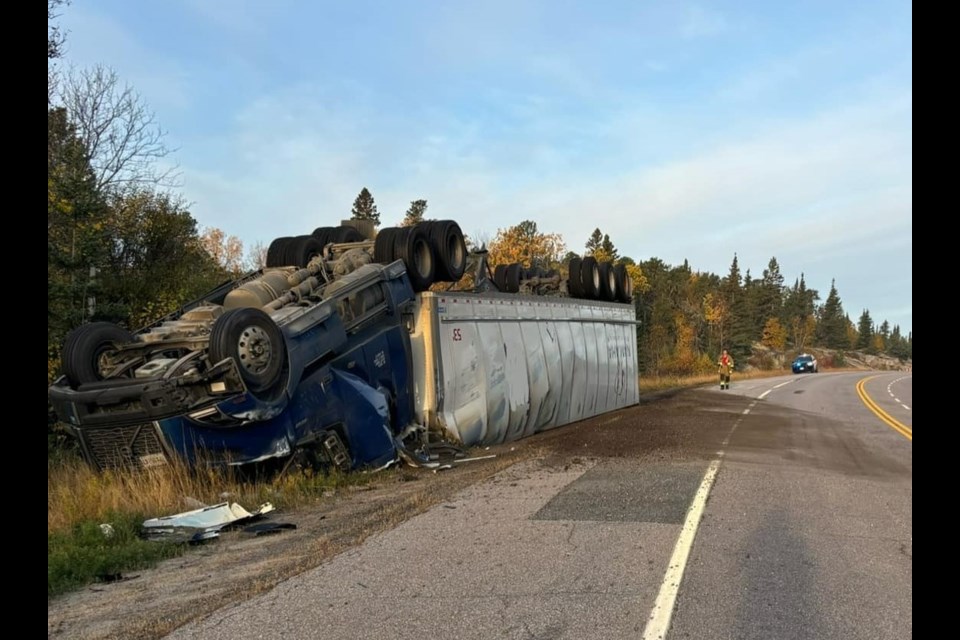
(596, 278)
(423, 258)
(254, 350)
(455, 249)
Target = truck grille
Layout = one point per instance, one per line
(136, 447)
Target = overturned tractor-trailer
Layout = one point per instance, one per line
(337, 354)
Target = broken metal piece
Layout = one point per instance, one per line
(200, 524)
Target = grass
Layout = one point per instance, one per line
(665, 383)
(83, 553)
(80, 500)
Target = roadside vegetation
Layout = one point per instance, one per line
(94, 519)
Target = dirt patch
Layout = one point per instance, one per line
(238, 565)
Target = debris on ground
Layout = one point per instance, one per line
(200, 524)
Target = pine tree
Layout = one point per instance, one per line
(865, 331)
(884, 333)
(595, 242)
(415, 213)
(610, 252)
(832, 327)
(364, 208)
(769, 294)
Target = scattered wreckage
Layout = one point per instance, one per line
(337, 354)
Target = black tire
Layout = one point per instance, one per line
(608, 282)
(255, 342)
(277, 252)
(512, 277)
(573, 278)
(383, 246)
(500, 277)
(347, 234)
(620, 274)
(86, 345)
(628, 291)
(590, 278)
(323, 234)
(302, 249)
(412, 246)
(449, 247)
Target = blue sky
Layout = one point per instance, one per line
(683, 130)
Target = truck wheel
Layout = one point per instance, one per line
(301, 250)
(85, 348)
(590, 278)
(628, 295)
(608, 282)
(347, 234)
(254, 341)
(413, 247)
(573, 278)
(324, 235)
(500, 277)
(512, 277)
(620, 275)
(277, 252)
(383, 246)
(449, 248)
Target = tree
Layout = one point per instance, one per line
(802, 328)
(55, 38)
(832, 324)
(525, 244)
(156, 259)
(415, 213)
(256, 256)
(741, 334)
(774, 335)
(884, 333)
(717, 313)
(120, 136)
(601, 247)
(799, 307)
(769, 302)
(55, 42)
(226, 251)
(610, 252)
(76, 228)
(865, 331)
(364, 208)
(594, 242)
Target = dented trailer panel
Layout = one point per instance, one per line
(492, 368)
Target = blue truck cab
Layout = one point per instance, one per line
(326, 374)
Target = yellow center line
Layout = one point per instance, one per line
(897, 426)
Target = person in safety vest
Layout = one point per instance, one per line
(726, 368)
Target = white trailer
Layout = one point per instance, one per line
(490, 367)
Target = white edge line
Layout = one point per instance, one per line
(659, 621)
